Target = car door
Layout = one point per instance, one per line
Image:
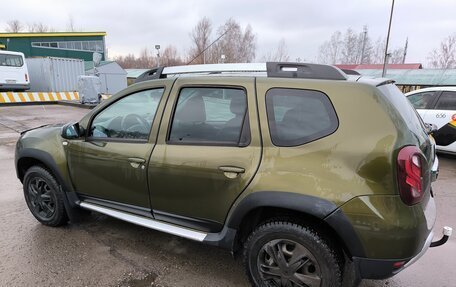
(423, 101)
(110, 163)
(207, 151)
(443, 115)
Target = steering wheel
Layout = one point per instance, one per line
(134, 122)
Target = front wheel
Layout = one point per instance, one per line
(282, 253)
(44, 197)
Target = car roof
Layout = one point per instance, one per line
(432, 89)
(11, 53)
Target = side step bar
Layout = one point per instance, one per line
(147, 222)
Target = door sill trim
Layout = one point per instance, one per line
(147, 222)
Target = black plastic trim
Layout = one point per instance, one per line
(133, 209)
(152, 74)
(377, 268)
(311, 205)
(193, 223)
(224, 239)
(342, 226)
(70, 198)
(314, 206)
(304, 71)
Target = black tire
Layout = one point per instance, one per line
(44, 197)
(281, 243)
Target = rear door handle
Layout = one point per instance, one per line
(231, 171)
(136, 161)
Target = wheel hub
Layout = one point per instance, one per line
(284, 262)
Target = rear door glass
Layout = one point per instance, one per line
(421, 100)
(447, 101)
(210, 116)
(298, 116)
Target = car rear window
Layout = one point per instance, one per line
(11, 60)
(404, 107)
(299, 116)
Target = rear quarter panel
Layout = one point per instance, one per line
(355, 160)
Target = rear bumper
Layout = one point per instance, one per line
(14, 87)
(384, 268)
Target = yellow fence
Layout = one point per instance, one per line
(25, 97)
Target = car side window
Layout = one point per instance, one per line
(128, 118)
(205, 115)
(297, 116)
(447, 101)
(421, 100)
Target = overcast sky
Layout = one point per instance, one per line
(304, 25)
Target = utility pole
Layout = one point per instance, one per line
(385, 60)
(405, 50)
(364, 44)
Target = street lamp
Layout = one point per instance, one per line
(157, 47)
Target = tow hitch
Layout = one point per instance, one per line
(446, 234)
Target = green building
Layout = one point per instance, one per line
(76, 45)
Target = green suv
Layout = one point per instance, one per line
(311, 175)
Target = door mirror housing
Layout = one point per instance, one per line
(72, 131)
(430, 128)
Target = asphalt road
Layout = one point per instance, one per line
(101, 251)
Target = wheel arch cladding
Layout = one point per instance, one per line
(318, 208)
(28, 157)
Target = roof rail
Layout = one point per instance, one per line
(272, 69)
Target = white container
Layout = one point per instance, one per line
(52, 74)
(113, 78)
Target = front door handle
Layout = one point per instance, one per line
(136, 161)
(231, 171)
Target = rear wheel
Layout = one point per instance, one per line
(44, 197)
(282, 253)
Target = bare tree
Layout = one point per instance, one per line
(356, 48)
(170, 57)
(38, 27)
(236, 45)
(378, 53)
(350, 52)
(200, 37)
(444, 57)
(14, 26)
(70, 25)
(278, 55)
(330, 50)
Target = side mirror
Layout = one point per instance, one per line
(71, 131)
(430, 128)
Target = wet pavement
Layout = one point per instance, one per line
(102, 251)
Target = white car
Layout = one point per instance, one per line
(438, 106)
(13, 72)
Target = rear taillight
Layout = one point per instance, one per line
(410, 174)
(26, 77)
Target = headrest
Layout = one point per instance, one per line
(193, 110)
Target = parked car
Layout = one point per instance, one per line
(437, 106)
(274, 161)
(13, 72)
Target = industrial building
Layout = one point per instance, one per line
(75, 45)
